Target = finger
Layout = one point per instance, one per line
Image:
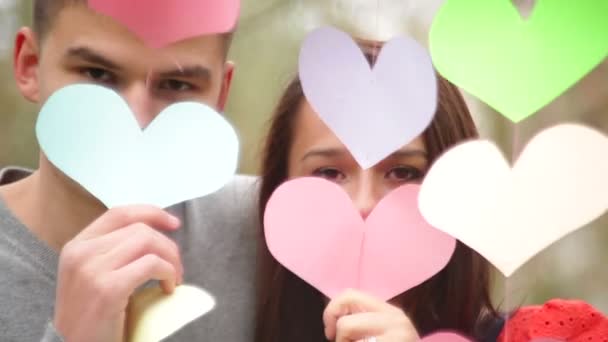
(349, 302)
(361, 326)
(121, 217)
(148, 267)
(135, 241)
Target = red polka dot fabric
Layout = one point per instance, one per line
(560, 320)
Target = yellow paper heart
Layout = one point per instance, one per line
(154, 315)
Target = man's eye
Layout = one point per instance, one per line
(175, 85)
(99, 75)
(329, 173)
(405, 174)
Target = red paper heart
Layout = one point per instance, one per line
(162, 22)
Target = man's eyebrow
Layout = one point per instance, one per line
(91, 56)
(325, 152)
(194, 71)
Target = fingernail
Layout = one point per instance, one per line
(175, 222)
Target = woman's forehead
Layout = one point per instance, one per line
(311, 132)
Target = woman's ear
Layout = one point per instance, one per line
(226, 83)
(25, 64)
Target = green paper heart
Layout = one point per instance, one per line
(518, 65)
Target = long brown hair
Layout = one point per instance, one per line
(457, 298)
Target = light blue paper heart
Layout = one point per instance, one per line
(90, 134)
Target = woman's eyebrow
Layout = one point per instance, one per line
(325, 152)
(408, 153)
(339, 152)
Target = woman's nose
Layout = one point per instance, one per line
(366, 195)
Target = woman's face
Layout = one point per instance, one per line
(316, 151)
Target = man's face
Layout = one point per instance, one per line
(85, 47)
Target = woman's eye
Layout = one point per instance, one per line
(405, 174)
(329, 174)
(175, 85)
(99, 75)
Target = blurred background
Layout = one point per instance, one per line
(266, 50)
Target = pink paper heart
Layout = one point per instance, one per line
(445, 337)
(313, 229)
(162, 22)
(374, 112)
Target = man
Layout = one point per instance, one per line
(68, 265)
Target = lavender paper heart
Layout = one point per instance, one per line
(374, 112)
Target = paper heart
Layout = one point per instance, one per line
(312, 228)
(89, 133)
(162, 22)
(445, 337)
(374, 112)
(558, 185)
(154, 316)
(515, 65)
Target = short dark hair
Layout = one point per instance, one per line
(46, 10)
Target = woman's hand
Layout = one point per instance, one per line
(354, 316)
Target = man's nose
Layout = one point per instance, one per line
(139, 98)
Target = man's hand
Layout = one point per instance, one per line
(101, 268)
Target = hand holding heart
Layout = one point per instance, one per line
(90, 134)
(101, 268)
(355, 316)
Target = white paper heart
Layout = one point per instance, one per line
(558, 185)
(90, 134)
(154, 316)
(373, 112)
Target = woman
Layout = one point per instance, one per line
(457, 298)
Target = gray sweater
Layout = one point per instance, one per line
(217, 241)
